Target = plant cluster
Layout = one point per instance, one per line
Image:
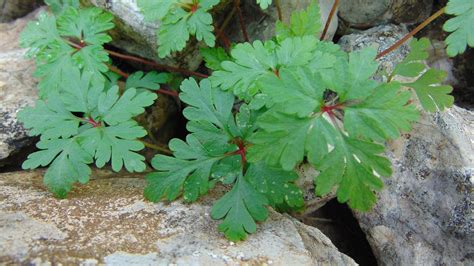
(267, 107)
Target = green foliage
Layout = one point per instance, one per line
(81, 123)
(302, 23)
(298, 100)
(213, 146)
(264, 3)
(58, 6)
(461, 26)
(432, 96)
(252, 62)
(179, 20)
(240, 208)
(149, 81)
(49, 41)
(302, 123)
(214, 57)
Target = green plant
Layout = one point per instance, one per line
(82, 116)
(266, 108)
(460, 26)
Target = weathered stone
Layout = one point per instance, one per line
(136, 36)
(424, 214)
(381, 37)
(307, 174)
(107, 221)
(261, 23)
(17, 87)
(13, 9)
(363, 14)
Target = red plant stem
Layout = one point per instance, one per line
(329, 109)
(156, 65)
(242, 152)
(160, 91)
(146, 62)
(328, 21)
(167, 92)
(75, 45)
(241, 20)
(226, 22)
(221, 36)
(194, 8)
(411, 33)
(91, 121)
(156, 147)
(118, 71)
(276, 72)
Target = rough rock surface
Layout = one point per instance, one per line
(107, 221)
(307, 173)
(425, 213)
(381, 37)
(12, 9)
(17, 87)
(261, 23)
(364, 14)
(137, 36)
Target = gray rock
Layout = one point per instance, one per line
(261, 23)
(107, 221)
(13, 9)
(20, 233)
(381, 37)
(425, 213)
(307, 174)
(364, 14)
(136, 36)
(17, 87)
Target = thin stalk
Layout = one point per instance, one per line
(156, 147)
(125, 75)
(118, 71)
(328, 21)
(146, 62)
(224, 40)
(168, 92)
(156, 65)
(241, 20)
(411, 33)
(226, 22)
(278, 7)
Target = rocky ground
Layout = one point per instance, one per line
(424, 216)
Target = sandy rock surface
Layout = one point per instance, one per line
(108, 221)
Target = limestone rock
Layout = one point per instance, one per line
(107, 221)
(363, 14)
(137, 36)
(17, 87)
(261, 23)
(13, 9)
(307, 174)
(381, 37)
(424, 214)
